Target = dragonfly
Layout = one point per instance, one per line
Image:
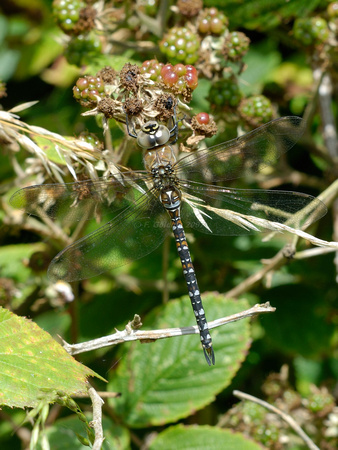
(172, 193)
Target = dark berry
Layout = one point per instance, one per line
(225, 93)
(82, 49)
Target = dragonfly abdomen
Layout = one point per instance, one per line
(171, 201)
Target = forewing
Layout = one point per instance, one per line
(249, 153)
(71, 202)
(135, 232)
(225, 211)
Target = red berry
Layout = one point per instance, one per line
(166, 68)
(180, 69)
(170, 78)
(203, 118)
(191, 80)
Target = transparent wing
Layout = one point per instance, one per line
(217, 210)
(248, 153)
(135, 232)
(81, 200)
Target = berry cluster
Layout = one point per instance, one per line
(225, 93)
(235, 46)
(87, 90)
(212, 21)
(82, 49)
(67, 13)
(180, 45)
(179, 76)
(256, 110)
(311, 31)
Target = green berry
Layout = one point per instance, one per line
(311, 31)
(256, 109)
(212, 21)
(225, 93)
(180, 45)
(235, 46)
(67, 13)
(82, 49)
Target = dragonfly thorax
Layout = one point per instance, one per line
(159, 157)
(153, 134)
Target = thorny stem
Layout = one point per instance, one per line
(129, 334)
(288, 419)
(97, 418)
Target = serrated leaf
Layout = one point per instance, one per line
(167, 380)
(201, 437)
(32, 363)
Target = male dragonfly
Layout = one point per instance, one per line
(171, 192)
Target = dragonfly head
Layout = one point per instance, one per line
(153, 134)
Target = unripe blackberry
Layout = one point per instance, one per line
(87, 90)
(180, 45)
(82, 49)
(153, 68)
(256, 110)
(67, 13)
(212, 21)
(235, 46)
(225, 93)
(92, 139)
(179, 76)
(311, 31)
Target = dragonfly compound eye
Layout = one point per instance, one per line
(153, 134)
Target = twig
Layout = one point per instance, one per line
(130, 334)
(280, 258)
(288, 419)
(97, 418)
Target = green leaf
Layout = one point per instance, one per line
(62, 435)
(201, 437)
(32, 362)
(300, 325)
(263, 14)
(12, 256)
(48, 147)
(169, 379)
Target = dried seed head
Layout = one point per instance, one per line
(165, 105)
(107, 107)
(108, 75)
(189, 8)
(129, 77)
(86, 21)
(133, 106)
